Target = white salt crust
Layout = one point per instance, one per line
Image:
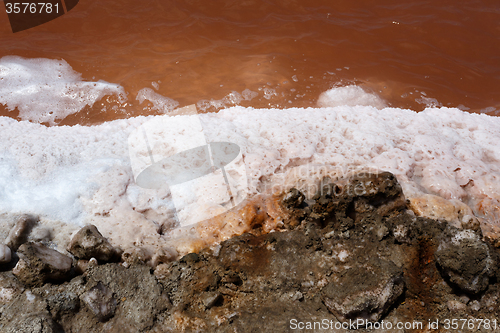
(78, 175)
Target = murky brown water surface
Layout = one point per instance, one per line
(409, 52)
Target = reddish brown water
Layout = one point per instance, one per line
(202, 50)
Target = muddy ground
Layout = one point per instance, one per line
(354, 258)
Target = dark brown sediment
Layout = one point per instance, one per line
(199, 50)
(385, 266)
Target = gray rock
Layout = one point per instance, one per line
(88, 243)
(33, 324)
(27, 314)
(101, 301)
(19, 233)
(465, 260)
(5, 254)
(138, 295)
(38, 264)
(364, 292)
(63, 303)
(210, 299)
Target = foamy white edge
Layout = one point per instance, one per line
(76, 175)
(46, 90)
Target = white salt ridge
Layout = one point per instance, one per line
(45, 90)
(78, 175)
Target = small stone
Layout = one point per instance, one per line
(456, 306)
(89, 243)
(401, 234)
(5, 254)
(38, 264)
(93, 262)
(101, 301)
(382, 231)
(475, 305)
(162, 271)
(19, 234)
(210, 299)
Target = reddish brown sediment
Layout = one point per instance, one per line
(204, 51)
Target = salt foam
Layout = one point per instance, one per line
(77, 175)
(44, 90)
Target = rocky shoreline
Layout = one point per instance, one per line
(353, 257)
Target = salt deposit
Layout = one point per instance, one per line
(77, 175)
(44, 90)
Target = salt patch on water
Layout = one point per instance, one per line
(45, 90)
(349, 96)
(160, 103)
(77, 175)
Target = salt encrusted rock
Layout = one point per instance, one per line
(5, 254)
(38, 264)
(101, 301)
(364, 292)
(465, 260)
(19, 234)
(88, 243)
(401, 234)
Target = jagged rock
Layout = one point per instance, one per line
(210, 299)
(364, 292)
(38, 264)
(101, 301)
(19, 233)
(293, 198)
(5, 254)
(465, 260)
(88, 243)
